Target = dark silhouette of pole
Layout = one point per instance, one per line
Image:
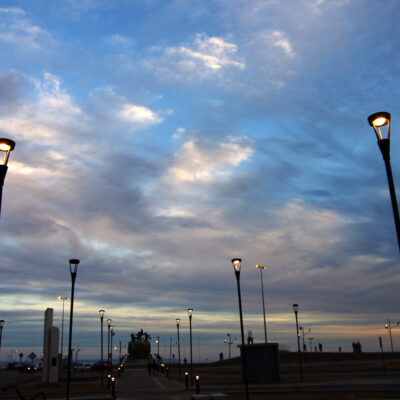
(108, 344)
(190, 313)
(388, 326)
(263, 301)
(101, 314)
(73, 267)
(1, 330)
(62, 324)
(6, 146)
(179, 347)
(378, 121)
(237, 264)
(295, 308)
(111, 346)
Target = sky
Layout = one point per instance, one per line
(158, 139)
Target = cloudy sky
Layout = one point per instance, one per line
(156, 140)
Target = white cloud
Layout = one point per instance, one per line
(204, 56)
(139, 115)
(196, 164)
(178, 133)
(118, 40)
(18, 31)
(277, 39)
(12, 10)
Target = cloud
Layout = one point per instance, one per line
(204, 57)
(18, 31)
(195, 164)
(139, 115)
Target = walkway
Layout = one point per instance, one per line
(137, 384)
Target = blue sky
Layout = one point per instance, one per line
(156, 140)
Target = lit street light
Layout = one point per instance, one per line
(389, 326)
(190, 313)
(260, 267)
(101, 315)
(229, 342)
(237, 265)
(73, 268)
(158, 346)
(62, 325)
(178, 321)
(6, 146)
(378, 121)
(296, 309)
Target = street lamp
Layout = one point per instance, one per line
(190, 314)
(73, 269)
(1, 329)
(379, 121)
(62, 324)
(261, 267)
(108, 343)
(6, 146)
(111, 346)
(237, 265)
(178, 321)
(101, 315)
(158, 346)
(301, 328)
(296, 309)
(229, 342)
(388, 326)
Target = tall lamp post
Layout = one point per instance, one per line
(237, 265)
(108, 343)
(388, 326)
(1, 329)
(158, 346)
(302, 329)
(296, 309)
(261, 267)
(101, 315)
(6, 146)
(178, 321)
(378, 121)
(111, 346)
(190, 314)
(62, 324)
(73, 268)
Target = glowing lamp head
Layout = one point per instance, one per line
(237, 264)
(386, 326)
(178, 321)
(261, 266)
(60, 297)
(101, 313)
(186, 373)
(190, 312)
(109, 321)
(379, 120)
(6, 146)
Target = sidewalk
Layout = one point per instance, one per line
(137, 384)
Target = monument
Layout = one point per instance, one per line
(50, 349)
(139, 348)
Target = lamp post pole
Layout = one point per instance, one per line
(158, 346)
(237, 265)
(296, 308)
(6, 146)
(388, 326)
(108, 344)
(101, 315)
(1, 329)
(73, 268)
(178, 321)
(377, 121)
(260, 267)
(190, 313)
(111, 346)
(62, 325)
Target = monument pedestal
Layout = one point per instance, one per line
(262, 362)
